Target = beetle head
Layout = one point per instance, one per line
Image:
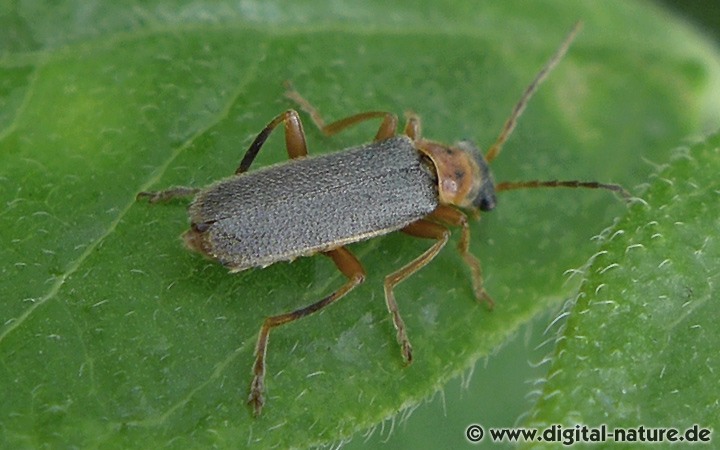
(482, 196)
(464, 177)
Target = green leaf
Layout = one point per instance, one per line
(640, 345)
(112, 334)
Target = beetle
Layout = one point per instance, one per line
(311, 205)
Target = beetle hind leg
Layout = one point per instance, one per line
(352, 269)
(167, 195)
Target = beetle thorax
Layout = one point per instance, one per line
(460, 177)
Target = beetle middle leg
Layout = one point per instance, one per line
(388, 127)
(351, 268)
(424, 229)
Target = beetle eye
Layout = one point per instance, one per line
(486, 201)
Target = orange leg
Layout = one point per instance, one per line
(412, 127)
(424, 229)
(294, 139)
(352, 269)
(452, 216)
(387, 129)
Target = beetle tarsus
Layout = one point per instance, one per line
(406, 349)
(256, 398)
(166, 195)
(482, 296)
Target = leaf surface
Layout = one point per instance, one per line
(113, 335)
(639, 347)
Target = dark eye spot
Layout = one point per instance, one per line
(487, 202)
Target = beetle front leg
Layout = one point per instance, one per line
(452, 216)
(352, 269)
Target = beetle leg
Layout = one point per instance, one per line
(423, 229)
(352, 269)
(169, 194)
(413, 130)
(294, 139)
(387, 129)
(452, 216)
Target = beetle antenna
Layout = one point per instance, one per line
(510, 185)
(529, 91)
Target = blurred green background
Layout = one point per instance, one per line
(704, 14)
